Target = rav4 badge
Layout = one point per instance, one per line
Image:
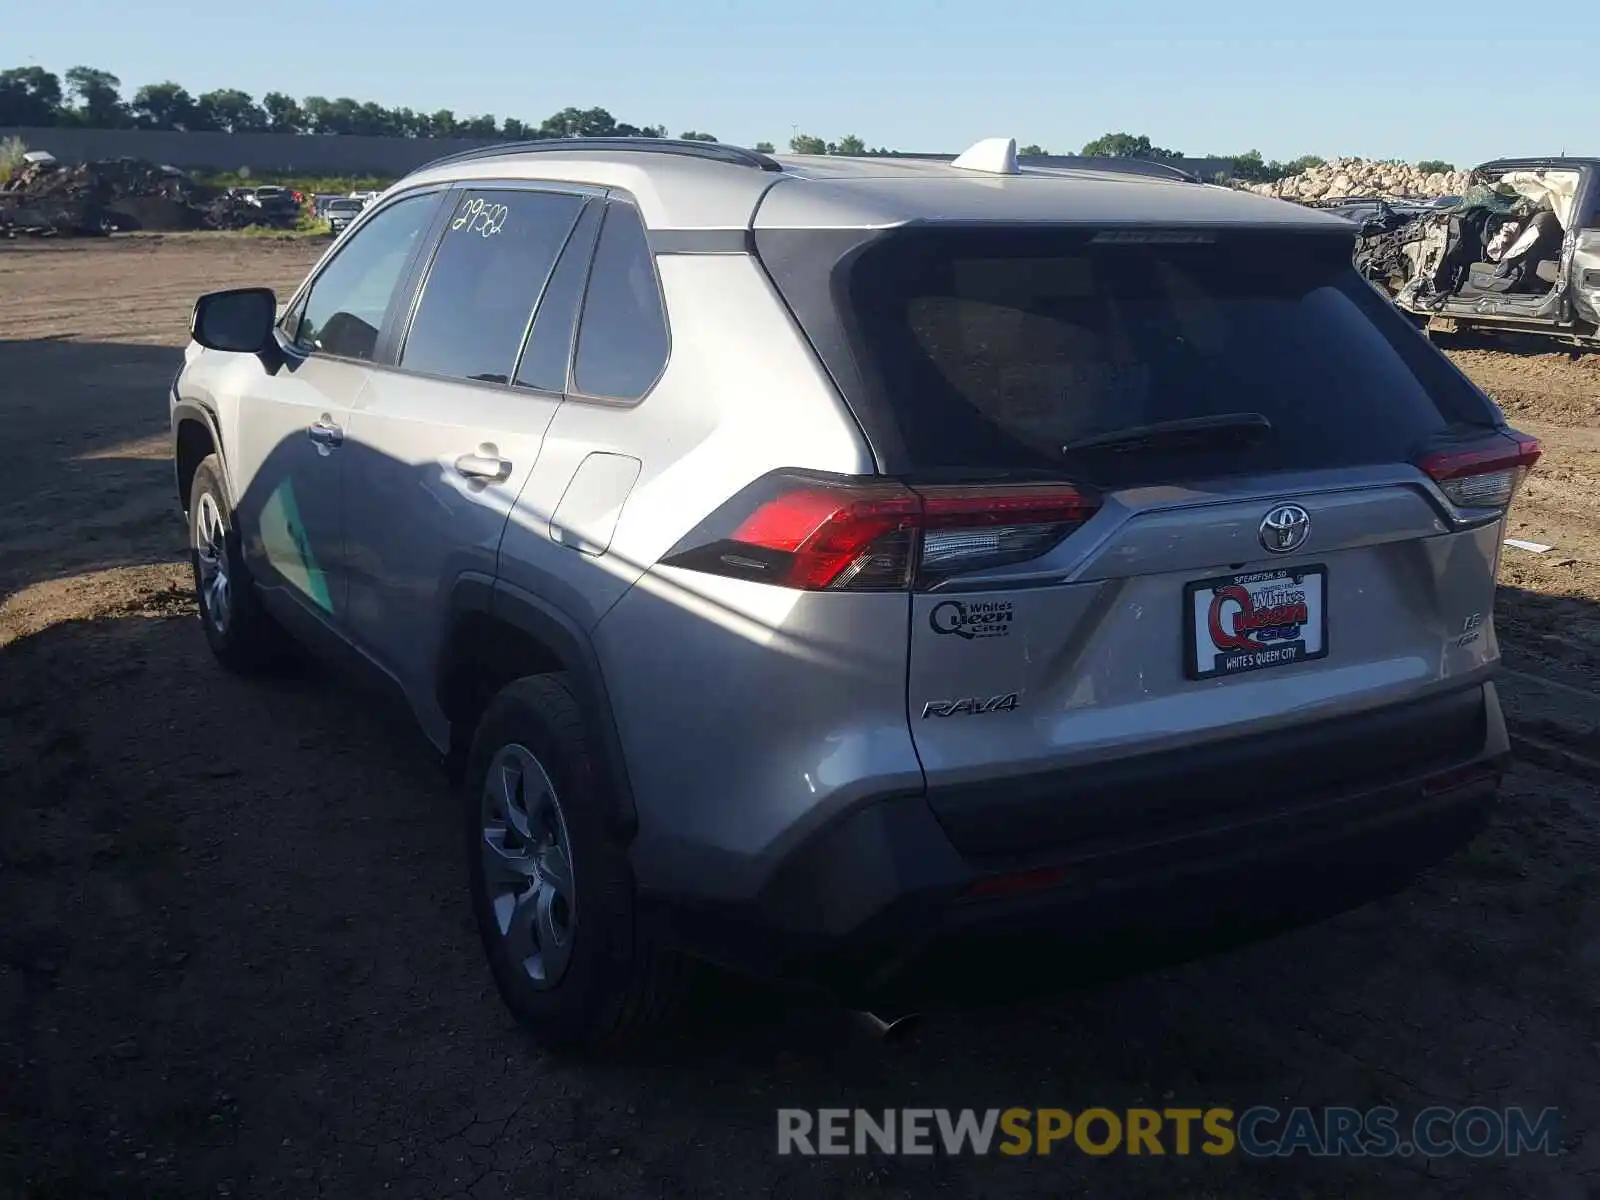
(971, 706)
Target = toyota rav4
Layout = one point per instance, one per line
(803, 562)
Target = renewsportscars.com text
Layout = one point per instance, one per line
(1257, 1132)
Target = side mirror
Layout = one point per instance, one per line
(238, 321)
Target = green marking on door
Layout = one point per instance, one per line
(288, 548)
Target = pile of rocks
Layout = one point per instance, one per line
(1364, 177)
(53, 198)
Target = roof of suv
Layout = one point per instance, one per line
(688, 185)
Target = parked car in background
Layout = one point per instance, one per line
(278, 205)
(339, 212)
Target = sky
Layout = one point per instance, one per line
(925, 75)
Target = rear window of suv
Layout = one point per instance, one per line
(993, 349)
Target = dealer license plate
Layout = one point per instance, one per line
(1235, 624)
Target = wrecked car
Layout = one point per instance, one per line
(1518, 251)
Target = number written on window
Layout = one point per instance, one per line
(480, 216)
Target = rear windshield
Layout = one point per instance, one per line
(992, 350)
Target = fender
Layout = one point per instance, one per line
(193, 410)
(571, 646)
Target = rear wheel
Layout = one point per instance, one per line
(241, 634)
(552, 893)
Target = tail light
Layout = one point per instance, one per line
(1486, 474)
(842, 534)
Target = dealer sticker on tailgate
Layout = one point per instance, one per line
(1240, 623)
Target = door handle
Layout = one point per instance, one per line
(484, 465)
(325, 435)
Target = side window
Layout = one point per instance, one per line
(549, 349)
(493, 259)
(344, 310)
(622, 338)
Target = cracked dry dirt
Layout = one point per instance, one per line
(234, 959)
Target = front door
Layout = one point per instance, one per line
(448, 437)
(294, 421)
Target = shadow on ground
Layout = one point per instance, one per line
(238, 957)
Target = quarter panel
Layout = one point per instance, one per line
(742, 394)
(749, 716)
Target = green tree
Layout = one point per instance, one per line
(442, 124)
(805, 143)
(765, 148)
(849, 144)
(99, 96)
(1250, 167)
(579, 122)
(1435, 166)
(694, 135)
(284, 114)
(163, 106)
(29, 96)
(1127, 145)
(1032, 150)
(230, 110)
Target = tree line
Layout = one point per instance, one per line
(91, 98)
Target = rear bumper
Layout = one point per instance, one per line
(872, 899)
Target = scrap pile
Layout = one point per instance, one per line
(1364, 177)
(53, 198)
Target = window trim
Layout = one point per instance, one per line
(597, 203)
(618, 197)
(292, 349)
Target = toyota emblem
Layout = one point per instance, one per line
(1285, 528)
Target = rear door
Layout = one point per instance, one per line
(444, 441)
(1585, 269)
(1264, 555)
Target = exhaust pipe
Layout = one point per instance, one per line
(886, 1029)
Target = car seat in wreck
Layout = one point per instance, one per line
(1536, 242)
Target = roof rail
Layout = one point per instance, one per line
(1072, 162)
(1123, 166)
(736, 156)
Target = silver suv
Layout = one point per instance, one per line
(809, 564)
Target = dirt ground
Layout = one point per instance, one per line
(234, 960)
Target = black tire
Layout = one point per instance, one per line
(242, 636)
(616, 985)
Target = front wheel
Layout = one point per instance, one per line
(552, 892)
(241, 634)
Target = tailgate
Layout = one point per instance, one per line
(1251, 532)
